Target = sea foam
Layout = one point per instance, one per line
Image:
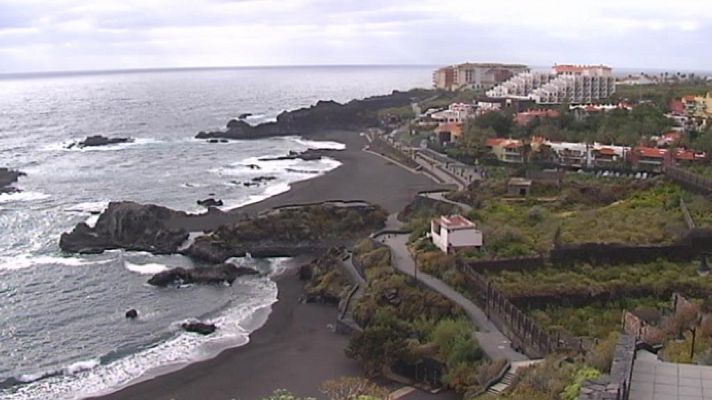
(22, 197)
(145, 269)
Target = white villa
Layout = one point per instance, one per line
(455, 232)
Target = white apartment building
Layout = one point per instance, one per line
(455, 232)
(456, 113)
(576, 84)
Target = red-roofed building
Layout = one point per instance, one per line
(677, 107)
(650, 158)
(448, 132)
(523, 118)
(507, 150)
(454, 232)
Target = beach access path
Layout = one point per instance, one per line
(493, 342)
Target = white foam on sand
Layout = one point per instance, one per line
(90, 379)
(16, 197)
(145, 269)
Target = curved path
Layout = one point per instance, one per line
(492, 341)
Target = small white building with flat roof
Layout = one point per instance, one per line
(455, 232)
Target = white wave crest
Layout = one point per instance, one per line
(64, 146)
(22, 197)
(145, 269)
(80, 366)
(319, 145)
(26, 261)
(89, 207)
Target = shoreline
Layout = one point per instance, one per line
(294, 334)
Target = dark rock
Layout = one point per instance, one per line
(287, 233)
(225, 273)
(244, 115)
(98, 140)
(213, 141)
(132, 314)
(199, 327)
(250, 184)
(7, 178)
(253, 166)
(210, 202)
(224, 140)
(306, 272)
(324, 115)
(260, 179)
(307, 155)
(127, 225)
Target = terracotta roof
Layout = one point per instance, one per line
(494, 141)
(651, 152)
(682, 154)
(451, 127)
(689, 97)
(607, 151)
(454, 222)
(513, 144)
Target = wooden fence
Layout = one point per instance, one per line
(689, 179)
(515, 324)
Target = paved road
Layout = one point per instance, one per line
(492, 341)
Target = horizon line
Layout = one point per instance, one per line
(74, 72)
(195, 68)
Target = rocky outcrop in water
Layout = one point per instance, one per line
(307, 155)
(131, 314)
(199, 327)
(210, 202)
(127, 225)
(225, 273)
(325, 115)
(7, 178)
(99, 140)
(288, 232)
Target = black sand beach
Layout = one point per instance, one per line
(362, 176)
(295, 349)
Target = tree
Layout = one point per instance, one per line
(500, 122)
(381, 343)
(352, 388)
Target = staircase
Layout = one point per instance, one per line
(506, 381)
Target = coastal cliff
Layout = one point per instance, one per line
(324, 115)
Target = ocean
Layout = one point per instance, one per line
(63, 334)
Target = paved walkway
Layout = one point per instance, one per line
(657, 380)
(440, 196)
(492, 341)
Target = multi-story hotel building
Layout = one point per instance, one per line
(576, 84)
(475, 75)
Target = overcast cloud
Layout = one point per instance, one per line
(51, 35)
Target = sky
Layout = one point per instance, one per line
(75, 35)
